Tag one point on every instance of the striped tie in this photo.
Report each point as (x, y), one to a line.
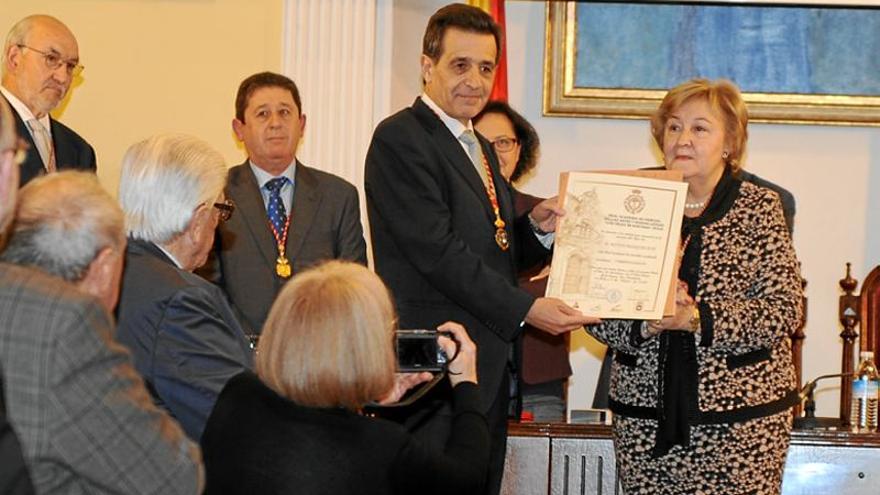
(44, 144)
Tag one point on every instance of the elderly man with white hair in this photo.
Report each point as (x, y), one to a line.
(83, 415)
(183, 333)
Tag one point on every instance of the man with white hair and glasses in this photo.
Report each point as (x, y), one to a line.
(183, 334)
(40, 61)
(82, 413)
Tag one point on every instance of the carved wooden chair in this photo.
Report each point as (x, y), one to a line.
(862, 310)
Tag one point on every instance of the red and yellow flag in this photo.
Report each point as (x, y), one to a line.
(495, 8)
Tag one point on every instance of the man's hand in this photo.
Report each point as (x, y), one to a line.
(555, 317)
(545, 213)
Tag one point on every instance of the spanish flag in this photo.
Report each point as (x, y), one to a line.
(495, 8)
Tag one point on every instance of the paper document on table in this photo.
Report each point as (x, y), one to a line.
(617, 247)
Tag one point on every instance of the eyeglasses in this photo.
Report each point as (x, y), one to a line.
(226, 208)
(504, 144)
(54, 60)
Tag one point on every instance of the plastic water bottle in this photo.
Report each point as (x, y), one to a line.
(865, 392)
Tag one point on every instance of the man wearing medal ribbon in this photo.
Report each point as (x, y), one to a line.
(445, 237)
(288, 216)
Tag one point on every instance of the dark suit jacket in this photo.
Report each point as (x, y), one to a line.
(183, 335)
(434, 239)
(71, 150)
(326, 224)
(258, 442)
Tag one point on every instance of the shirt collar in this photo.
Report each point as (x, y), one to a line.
(451, 123)
(263, 177)
(170, 256)
(23, 111)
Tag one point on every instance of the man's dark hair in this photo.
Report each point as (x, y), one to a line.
(263, 80)
(525, 134)
(460, 16)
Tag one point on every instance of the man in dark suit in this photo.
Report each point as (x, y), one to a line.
(40, 60)
(83, 415)
(182, 332)
(445, 237)
(289, 216)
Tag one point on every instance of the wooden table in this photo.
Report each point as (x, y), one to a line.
(563, 459)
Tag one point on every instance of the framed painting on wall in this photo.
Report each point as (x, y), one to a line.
(804, 64)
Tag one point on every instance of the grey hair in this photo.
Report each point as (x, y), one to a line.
(16, 36)
(164, 180)
(62, 223)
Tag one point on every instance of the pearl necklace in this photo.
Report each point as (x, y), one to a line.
(695, 206)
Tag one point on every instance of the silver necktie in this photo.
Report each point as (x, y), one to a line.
(476, 153)
(44, 144)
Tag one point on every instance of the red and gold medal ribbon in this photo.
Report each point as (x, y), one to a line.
(282, 265)
(500, 234)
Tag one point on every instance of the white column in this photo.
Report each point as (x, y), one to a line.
(338, 53)
(329, 52)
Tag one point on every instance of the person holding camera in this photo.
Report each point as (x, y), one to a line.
(297, 426)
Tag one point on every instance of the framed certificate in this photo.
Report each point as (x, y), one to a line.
(617, 246)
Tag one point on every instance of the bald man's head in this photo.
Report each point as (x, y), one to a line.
(40, 59)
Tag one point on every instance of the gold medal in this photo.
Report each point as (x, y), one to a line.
(282, 267)
(501, 234)
(501, 239)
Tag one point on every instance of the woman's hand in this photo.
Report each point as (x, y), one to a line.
(684, 311)
(402, 383)
(464, 367)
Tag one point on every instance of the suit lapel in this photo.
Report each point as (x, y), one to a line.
(65, 154)
(306, 198)
(244, 190)
(33, 164)
(452, 152)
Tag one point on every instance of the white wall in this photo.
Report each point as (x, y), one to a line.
(830, 170)
(159, 66)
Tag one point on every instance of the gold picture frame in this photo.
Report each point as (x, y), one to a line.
(563, 98)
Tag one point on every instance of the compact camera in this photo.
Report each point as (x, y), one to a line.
(418, 350)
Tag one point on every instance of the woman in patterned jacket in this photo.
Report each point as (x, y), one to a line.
(701, 399)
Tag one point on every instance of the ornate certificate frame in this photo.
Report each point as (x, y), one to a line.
(562, 97)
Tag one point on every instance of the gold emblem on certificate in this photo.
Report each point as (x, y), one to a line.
(282, 267)
(635, 202)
